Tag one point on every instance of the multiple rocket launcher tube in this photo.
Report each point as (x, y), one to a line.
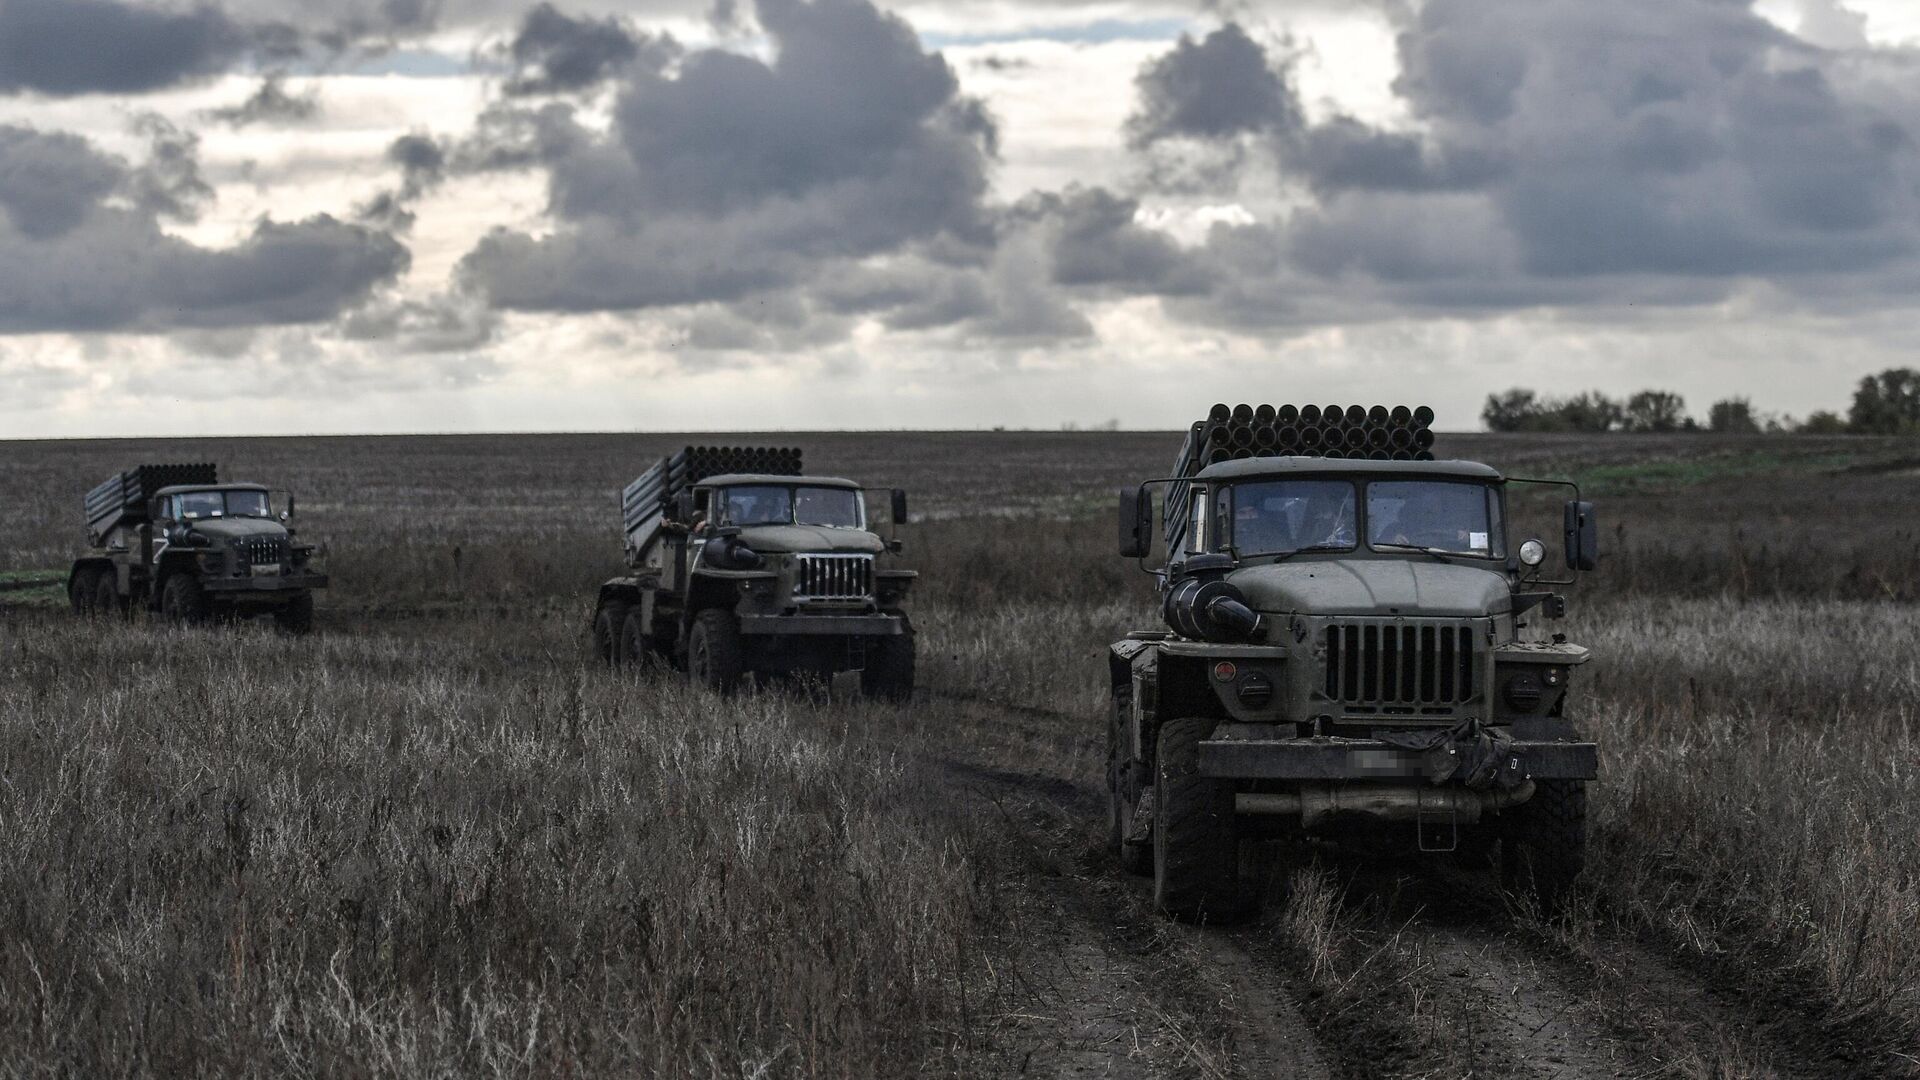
(1379, 433)
(1230, 432)
(645, 502)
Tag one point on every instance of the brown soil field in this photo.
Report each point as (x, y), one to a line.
(435, 838)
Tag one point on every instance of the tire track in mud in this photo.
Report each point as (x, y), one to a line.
(1456, 980)
(1110, 988)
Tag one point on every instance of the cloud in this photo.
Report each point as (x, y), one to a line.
(1557, 153)
(64, 47)
(270, 104)
(553, 53)
(74, 256)
(733, 174)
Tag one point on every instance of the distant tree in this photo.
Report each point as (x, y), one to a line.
(1732, 416)
(1656, 410)
(1511, 410)
(1824, 423)
(1592, 411)
(1887, 404)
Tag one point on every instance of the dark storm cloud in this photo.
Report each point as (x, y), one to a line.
(1563, 152)
(65, 47)
(1221, 86)
(75, 258)
(553, 53)
(731, 174)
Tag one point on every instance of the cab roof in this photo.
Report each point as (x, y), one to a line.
(725, 479)
(188, 489)
(1245, 468)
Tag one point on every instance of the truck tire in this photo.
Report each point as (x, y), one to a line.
(83, 592)
(297, 617)
(633, 645)
(1544, 842)
(607, 622)
(1123, 789)
(182, 600)
(888, 675)
(1196, 849)
(715, 657)
(106, 595)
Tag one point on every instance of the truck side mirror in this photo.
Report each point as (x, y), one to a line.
(899, 507)
(1136, 522)
(683, 508)
(1583, 536)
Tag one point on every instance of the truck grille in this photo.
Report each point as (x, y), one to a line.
(264, 550)
(834, 577)
(1400, 669)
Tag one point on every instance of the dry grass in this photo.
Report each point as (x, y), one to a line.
(462, 855)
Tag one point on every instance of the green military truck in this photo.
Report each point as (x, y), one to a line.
(739, 564)
(174, 540)
(1355, 648)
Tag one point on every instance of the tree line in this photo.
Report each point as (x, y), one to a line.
(1883, 404)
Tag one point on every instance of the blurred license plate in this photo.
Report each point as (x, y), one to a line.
(266, 569)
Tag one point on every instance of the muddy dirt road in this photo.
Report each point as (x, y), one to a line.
(1413, 967)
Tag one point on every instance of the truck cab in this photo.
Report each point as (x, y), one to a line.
(1353, 648)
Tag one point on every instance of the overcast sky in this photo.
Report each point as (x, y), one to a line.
(264, 216)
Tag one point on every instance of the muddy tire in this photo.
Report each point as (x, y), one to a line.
(633, 643)
(1196, 849)
(1123, 790)
(715, 656)
(183, 602)
(607, 624)
(297, 617)
(106, 596)
(888, 675)
(83, 592)
(1544, 842)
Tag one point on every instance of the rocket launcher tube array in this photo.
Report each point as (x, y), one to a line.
(1236, 432)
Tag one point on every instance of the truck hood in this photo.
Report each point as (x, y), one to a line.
(228, 529)
(1375, 587)
(779, 539)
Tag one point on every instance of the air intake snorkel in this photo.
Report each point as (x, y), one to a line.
(1204, 606)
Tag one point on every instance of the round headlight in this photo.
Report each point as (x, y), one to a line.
(1533, 553)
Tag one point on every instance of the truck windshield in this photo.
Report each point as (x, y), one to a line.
(769, 504)
(1273, 516)
(1436, 515)
(199, 505)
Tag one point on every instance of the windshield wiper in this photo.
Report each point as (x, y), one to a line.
(1442, 554)
(1282, 556)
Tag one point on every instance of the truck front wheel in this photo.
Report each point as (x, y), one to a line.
(297, 617)
(633, 645)
(182, 601)
(715, 656)
(1196, 849)
(84, 592)
(1544, 842)
(607, 624)
(106, 595)
(889, 671)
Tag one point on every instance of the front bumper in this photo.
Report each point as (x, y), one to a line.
(276, 584)
(825, 625)
(1330, 758)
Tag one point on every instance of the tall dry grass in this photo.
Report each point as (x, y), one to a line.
(463, 854)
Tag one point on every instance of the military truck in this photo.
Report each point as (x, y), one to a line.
(1355, 648)
(740, 564)
(175, 540)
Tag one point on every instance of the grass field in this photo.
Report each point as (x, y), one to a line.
(435, 839)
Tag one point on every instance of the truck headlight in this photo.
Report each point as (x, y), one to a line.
(1524, 692)
(1533, 553)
